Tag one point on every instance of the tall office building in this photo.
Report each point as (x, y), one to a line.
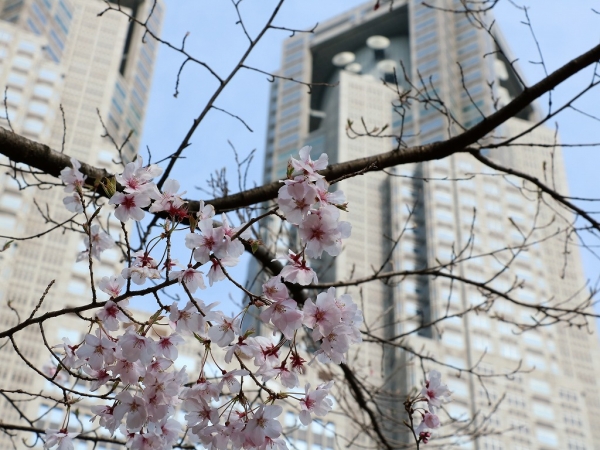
(467, 224)
(53, 53)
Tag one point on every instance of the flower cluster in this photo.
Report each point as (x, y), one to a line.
(74, 180)
(433, 393)
(135, 361)
(306, 202)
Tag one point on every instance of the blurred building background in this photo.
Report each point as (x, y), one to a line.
(60, 53)
(482, 227)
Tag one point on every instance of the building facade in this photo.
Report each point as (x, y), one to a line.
(59, 54)
(453, 215)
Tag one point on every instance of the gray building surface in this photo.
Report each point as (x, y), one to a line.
(57, 53)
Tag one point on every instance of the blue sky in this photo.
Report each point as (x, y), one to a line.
(563, 29)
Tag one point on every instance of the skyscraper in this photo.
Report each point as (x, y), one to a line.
(453, 215)
(57, 53)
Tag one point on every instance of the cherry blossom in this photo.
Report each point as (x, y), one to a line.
(62, 439)
(335, 198)
(136, 347)
(430, 421)
(224, 329)
(70, 360)
(263, 424)
(138, 364)
(100, 377)
(72, 176)
(129, 205)
(285, 315)
(74, 202)
(275, 290)
(129, 372)
(216, 273)
(334, 344)
(322, 232)
(287, 377)
(107, 418)
(74, 180)
(309, 167)
(97, 350)
(434, 391)
(167, 346)
(134, 407)
(205, 211)
(112, 285)
(295, 199)
(323, 314)
(315, 402)
(192, 278)
(229, 379)
(169, 199)
(298, 272)
(111, 314)
(100, 241)
(188, 319)
(143, 267)
(232, 231)
(136, 178)
(211, 240)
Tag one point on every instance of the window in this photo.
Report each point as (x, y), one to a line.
(409, 286)
(61, 24)
(547, 437)
(457, 411)
(291, 97)
(51, 54)
(426, 36)
(13, 97)
(38, 107)
(76, 287)
(539, 386)
(480, 321)
(16, 79)
(427, 50)
(289, 125)
(510, 351)
(40, 15)
(66, 10)
(43, 91)
(453, 340)
(293, 70)
(58, 41)
(458, 387)
(468, 49)
(47, 75)
(10, 201)
(481, 343)
(33, 125)
(33, 27)
(466, 34)
(290, 110)
(543, 410)
(425, 24)
(291, 139)
(443, 197)
(5, 37)
(22, 62)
